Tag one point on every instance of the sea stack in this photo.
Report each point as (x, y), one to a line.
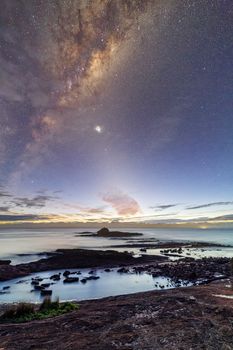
(103, 232)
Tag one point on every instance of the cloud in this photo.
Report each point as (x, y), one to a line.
(5, 194)
(26, 217)
(163, 207)
(122, 203)
(223, 218)
(95, 210)
(207, 205)
(4, 209)
(39, 201)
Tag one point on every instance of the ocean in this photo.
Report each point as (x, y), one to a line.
(24, 245)
(15, 244)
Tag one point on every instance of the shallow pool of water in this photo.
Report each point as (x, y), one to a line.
(109, 284)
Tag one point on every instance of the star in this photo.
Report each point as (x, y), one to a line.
(98, 129)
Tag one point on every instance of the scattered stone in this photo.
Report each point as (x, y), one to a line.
(37, 279)
(46, 292)
(56, 277)
(45, 285)
(71, 279)
(66, 273)
(37, 287)
(6, 287)
(35, 283)
(90, 278)
(123, 270)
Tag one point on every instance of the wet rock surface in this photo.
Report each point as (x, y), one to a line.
(191, 318)
(74, 258)
(206, 269)
(5, 262)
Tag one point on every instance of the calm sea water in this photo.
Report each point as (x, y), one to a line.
(109, 284)
(33, 241)
(15, 243)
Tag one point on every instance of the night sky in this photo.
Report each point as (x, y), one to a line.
(116, 110)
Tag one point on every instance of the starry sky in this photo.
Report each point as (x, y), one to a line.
(116, 111)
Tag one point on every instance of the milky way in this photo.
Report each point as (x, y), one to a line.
(112, 109)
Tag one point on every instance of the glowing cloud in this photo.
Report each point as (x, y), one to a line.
(122, 203)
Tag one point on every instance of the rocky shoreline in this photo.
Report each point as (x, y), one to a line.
(179, 319)
(197, 317)
(74, 258)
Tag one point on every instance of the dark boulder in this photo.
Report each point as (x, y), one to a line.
(143, 250)
(71, 279)
(122, 270)
(56, 277)
(66, 273)
(45, 285)
(34, 283)
(46, 292)
(90, 278)
(5, 262)
(6, 287)
(37, 287)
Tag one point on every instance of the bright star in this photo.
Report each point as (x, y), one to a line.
(98, 129)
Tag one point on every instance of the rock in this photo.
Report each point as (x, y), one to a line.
(71, 279)
(55, 277)
(83, 280)
(46, 292)
(37, 279)
(66, 273)
(34, 283)
(107, 270)
(5, 262)
(103, 232)
(6, 287)
(156, 273)
(93, 278)
(37, 287)
(122, 270)
(73, 259)
(21, 281)
(143, 250)
(45, 285)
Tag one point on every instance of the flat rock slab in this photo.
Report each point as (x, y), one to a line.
(191, 318)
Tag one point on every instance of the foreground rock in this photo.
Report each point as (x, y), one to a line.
(74, 258)
(182, 319)
(5, 262)
(188, 269)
